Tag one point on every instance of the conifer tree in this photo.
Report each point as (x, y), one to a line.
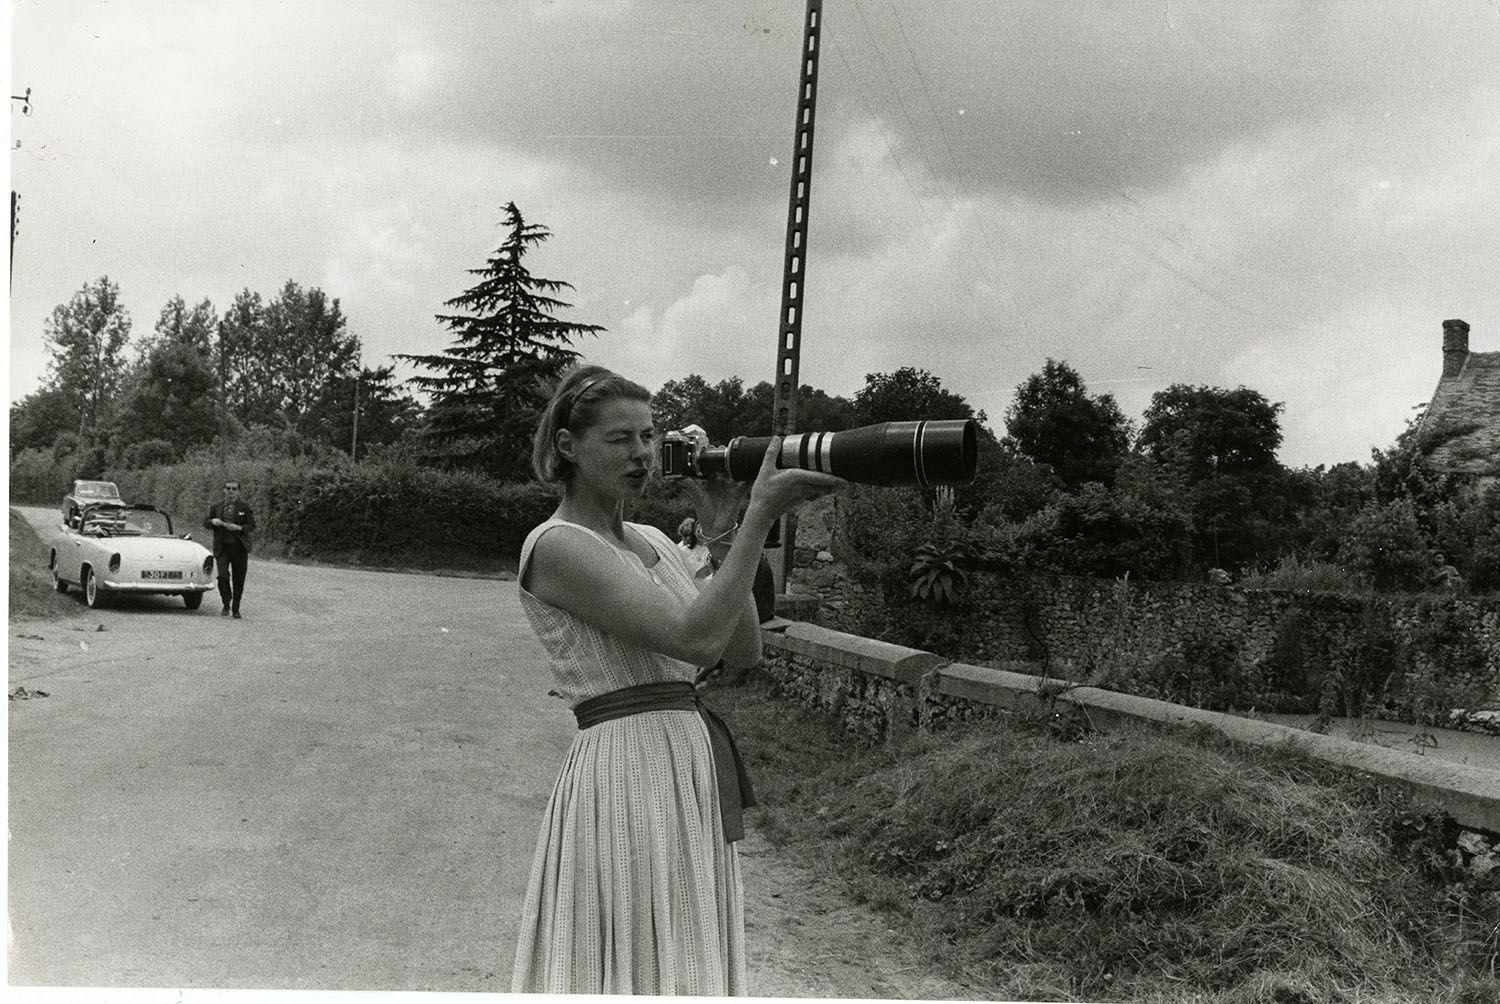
(488, 387)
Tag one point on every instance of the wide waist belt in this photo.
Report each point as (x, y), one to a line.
(735, 792)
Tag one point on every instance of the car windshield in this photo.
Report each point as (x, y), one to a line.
(96, 490)
(117, 522)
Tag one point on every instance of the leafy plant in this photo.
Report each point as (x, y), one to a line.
(939, 573)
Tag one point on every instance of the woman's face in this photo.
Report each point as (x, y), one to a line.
(614, 455)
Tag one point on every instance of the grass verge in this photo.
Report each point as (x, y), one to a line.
(1139, 865)
(31, 590)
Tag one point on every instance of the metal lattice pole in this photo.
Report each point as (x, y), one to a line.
(794, 273)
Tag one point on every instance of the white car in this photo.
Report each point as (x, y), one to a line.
(115, 549)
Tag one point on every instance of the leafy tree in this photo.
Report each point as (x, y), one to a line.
(907, 394)
(387, 411)
(723, 410)
(1223, 444)
(243, 365)
(179, 325)
(172, 394)
(279, 357)
(728, 409)
(38, 418)
(489, 386)
(1055, 421)
(86, 337)
(1208, 430)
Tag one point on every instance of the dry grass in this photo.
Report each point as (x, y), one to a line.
(31, 590)
(1133, 866)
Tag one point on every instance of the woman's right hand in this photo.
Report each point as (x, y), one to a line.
(777, 492)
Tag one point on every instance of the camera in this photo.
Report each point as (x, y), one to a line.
(925, 452)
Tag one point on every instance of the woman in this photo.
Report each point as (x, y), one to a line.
(635, 886)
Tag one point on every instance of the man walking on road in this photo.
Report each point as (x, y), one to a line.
(231, 521)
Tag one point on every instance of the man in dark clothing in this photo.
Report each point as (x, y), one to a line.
(231, 521)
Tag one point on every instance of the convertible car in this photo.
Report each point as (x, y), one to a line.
(114, 549)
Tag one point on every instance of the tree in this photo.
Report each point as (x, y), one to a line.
(179, 325)
(38, 418)
(278, 358)
(905, 395)
(1206, 430)
(243, 367)
(387, 412)
(1223, 444)
(172, 393)
(86, 338)
(1054, 421)
(173, 396)
(488, 388)
(727, 409)
(722, 410)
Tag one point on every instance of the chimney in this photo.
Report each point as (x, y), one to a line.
(1455, 347)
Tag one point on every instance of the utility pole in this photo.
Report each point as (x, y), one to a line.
(793, 276)
(354, 437)
(223, 405)
(15, 198)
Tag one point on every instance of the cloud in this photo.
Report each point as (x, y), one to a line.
(717, 329)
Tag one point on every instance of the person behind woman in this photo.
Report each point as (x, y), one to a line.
(635, 884)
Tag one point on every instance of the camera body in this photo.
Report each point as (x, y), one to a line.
(677, 456)
(926, 452)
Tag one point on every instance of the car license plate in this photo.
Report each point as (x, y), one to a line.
(150, 573)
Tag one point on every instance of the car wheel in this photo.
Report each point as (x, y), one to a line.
(57, 580)
(94, 594)
(192, 600)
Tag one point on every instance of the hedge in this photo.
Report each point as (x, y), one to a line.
(372, 514)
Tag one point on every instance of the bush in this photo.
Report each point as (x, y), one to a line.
(1385, 546)
(41, 477)
(1306, 576)
(382, 514)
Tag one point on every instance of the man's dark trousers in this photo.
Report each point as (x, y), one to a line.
(232, 561)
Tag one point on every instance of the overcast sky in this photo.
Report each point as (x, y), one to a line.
(1291, 197)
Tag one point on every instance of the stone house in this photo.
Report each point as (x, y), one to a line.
(1460, 432)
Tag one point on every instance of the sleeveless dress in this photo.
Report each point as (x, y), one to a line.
(633, 889)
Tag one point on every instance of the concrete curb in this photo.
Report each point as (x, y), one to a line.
(1471, 795)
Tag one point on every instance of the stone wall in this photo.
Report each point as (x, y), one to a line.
(877, 689)
(1413, 658)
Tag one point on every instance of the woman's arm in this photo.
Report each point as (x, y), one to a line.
(744, 648)
(569, 571)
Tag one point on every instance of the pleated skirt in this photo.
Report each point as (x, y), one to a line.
(633, 889)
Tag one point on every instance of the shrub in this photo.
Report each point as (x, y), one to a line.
(1386, 547)
(41, 476)
(1307, 576)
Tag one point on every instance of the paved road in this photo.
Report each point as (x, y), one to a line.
(340, 792)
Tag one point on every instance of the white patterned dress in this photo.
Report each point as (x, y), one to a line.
(633, 888)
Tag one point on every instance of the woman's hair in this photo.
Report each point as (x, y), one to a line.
(575, 405)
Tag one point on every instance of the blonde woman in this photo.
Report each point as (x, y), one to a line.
(635, 884)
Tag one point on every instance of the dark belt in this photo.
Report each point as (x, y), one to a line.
(735, 793)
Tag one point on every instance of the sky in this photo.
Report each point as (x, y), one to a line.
(1289, 197)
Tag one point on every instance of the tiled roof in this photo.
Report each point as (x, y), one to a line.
(1461, 430)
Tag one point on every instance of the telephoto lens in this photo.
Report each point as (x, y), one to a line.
(925, 452)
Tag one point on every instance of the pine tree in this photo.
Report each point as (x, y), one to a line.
(487, 389)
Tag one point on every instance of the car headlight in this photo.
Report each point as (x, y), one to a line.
(208, 565)
(114, 563)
